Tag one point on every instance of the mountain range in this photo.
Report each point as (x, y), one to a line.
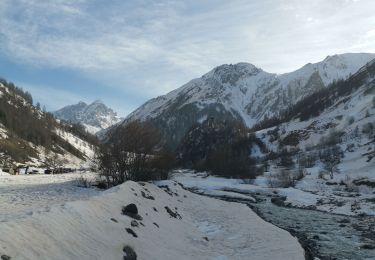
(242, 92)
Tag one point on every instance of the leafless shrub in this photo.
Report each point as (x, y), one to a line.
(133, 153)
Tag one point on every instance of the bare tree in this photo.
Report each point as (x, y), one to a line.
(53, 162)
(5, 160)
(331, 157)
(132, 153)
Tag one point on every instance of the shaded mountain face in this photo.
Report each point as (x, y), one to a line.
(241, 92)
(95, 116)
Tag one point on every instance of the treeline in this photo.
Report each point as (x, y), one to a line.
(14, 90)
(314, 104)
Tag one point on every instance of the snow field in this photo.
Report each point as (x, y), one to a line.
(95, 229)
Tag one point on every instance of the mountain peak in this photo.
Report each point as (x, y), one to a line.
(97, 101)
(95, 116)
(82, 103)
(241, 67)
(231, 73)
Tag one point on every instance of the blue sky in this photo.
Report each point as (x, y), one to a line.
(125, 52)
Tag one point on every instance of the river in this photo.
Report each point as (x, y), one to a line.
(324, 235)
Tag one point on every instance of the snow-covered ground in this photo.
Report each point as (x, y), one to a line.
(25, 195)
(95, 228)
(327, 199)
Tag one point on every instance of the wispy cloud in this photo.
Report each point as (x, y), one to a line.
(147, 47)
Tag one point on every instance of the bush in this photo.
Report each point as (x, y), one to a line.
(133, 153)
(83, 182)
(331, 157)
(334, 137)
(368, 129)
(350, 120)
(307, 160)
(285, 178)
(286, 159)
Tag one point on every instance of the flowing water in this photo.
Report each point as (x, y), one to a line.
(324, 235)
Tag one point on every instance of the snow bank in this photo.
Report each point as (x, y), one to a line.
(95, 229)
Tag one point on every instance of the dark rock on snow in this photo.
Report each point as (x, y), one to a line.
(131, 232)
(129, 253)
(172, 214)
(131, 210)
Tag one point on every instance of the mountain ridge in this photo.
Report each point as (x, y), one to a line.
(242, 92)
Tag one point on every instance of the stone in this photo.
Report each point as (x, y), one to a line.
(129, 253)
(131, 232)
(131, 210)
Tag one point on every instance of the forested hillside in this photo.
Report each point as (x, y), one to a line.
(28, 131)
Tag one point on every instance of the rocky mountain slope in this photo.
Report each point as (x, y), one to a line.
(242, 92)
(95, 116)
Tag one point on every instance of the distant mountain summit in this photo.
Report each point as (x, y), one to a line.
(242, 92)
(95, 116)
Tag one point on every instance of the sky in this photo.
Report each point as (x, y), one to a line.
(125, 52)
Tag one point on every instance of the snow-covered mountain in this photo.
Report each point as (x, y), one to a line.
(330, 135)
(243, 92)
(95, 116)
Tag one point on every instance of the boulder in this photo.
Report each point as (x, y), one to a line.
(131, 210)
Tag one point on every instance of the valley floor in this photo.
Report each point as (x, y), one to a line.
(177, 224)
(24, 195)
